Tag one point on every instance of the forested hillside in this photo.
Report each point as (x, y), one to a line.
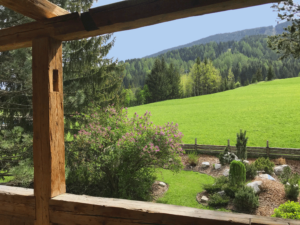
(244, 58)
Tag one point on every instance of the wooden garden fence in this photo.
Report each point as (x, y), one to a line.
(289, 153)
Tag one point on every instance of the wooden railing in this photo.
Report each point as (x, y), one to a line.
(289, 153)
(17, 207)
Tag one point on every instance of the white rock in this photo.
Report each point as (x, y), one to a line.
(221, 193)
(226, 173)
(204, 199)
(205, 164)
(162, 184)
(218, 166)
(246, 161)
(279, 169)
(287, 183)
(267, 176)
(255, 186)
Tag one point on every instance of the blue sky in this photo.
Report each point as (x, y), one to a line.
(148, 40)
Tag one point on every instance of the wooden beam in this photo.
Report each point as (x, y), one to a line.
(48, 124)
(37, 9)
(120, 16)
(82, 210)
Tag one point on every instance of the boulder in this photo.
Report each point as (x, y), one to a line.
(205, 164)
(255, 186)
(279, 169)
(246, 161)
(226, 172)
(267, 176)
(162, 184)
(221, 193)
(204, 199)
(218, 166)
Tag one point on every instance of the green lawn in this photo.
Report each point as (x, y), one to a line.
(267, 110)
(183, 187)
(6, 179)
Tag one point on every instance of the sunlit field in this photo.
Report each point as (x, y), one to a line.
(267, 110)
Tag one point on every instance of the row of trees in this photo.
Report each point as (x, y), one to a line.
(244, 57)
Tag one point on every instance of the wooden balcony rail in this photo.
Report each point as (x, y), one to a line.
(17, 207)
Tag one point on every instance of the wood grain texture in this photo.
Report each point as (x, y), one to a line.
(120, 16)
(37, 9)
(48, 126)
(79, 210)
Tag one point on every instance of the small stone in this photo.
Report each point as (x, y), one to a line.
(204, 199)
(221, 193)
(170, 160)
(279, 169)
(162, 184)
(255, 186)
(287, 183)
(226, 173)
(205, 164)
(218, 166)
(246, 161)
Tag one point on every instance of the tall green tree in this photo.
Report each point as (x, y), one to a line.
(258, 75)
(88, 75)
(270, 73)
(175, 89)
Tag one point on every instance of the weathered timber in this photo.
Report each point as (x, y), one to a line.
(17, 205)
(48, 125)
(37, 9)
(120, 16)
(74, 209)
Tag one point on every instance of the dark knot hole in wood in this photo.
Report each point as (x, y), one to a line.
(55, 81)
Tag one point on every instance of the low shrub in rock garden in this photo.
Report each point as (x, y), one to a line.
(217, 200)
(226, 157)
(230, 190)
(264, 164)
(193, 158)
(286, 175)
(292, 187)
(288, 210)
(245, 199)
(251, 171)
(217, 186)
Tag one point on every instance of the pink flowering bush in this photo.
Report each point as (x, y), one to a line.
(116, 156)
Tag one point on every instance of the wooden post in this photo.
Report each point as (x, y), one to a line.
(228, 144)
(268, 149)
(48, 125)
(196, 145)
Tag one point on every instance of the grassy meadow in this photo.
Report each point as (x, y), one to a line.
(267, 110)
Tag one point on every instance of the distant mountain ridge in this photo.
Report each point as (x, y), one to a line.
(234, 36)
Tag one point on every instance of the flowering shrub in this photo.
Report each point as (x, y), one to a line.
(116, 156)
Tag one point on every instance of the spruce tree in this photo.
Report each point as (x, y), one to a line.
(259, 76)
(88, 76)
(270, 73)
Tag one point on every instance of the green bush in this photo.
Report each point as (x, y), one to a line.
(237, 84)
(23, 174)
(230, 190)
(237, 173)
(193, 158)
(292, 187)
(251, 170)
(216, 200)
(241, 145)
(264, 164)
(116, 156)
(226, 157)
(286, 175)
(288, 210)
(217, 186)
(245, 199)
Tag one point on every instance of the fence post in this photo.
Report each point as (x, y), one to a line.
(228, 144)
(268, 149)
(196, 145)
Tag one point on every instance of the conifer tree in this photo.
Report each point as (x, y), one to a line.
(270, 73)
(88, 76)
(259, 76)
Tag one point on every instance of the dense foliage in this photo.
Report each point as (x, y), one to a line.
(291, 188)
(288, 210)
(251, 170)
(264, 164)
(217, 200)
(237, 173)
(245, 199)
(216, 186)
(15, 146)
(241, 145)
(115, 156)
